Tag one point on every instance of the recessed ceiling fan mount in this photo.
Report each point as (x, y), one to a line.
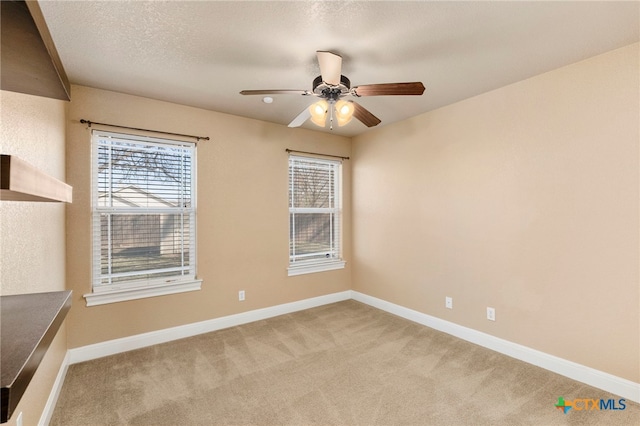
(331, 87)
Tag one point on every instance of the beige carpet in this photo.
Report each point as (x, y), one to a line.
(342, 364)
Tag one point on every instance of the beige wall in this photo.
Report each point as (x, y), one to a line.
(242, 216)
(32, 234)
(524, 199)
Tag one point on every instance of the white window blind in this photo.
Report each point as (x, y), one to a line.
(143, 211)
(314, 210)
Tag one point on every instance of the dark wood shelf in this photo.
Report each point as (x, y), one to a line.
(29, 324)
(20, 181)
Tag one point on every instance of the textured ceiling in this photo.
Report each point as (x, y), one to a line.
(203, 53)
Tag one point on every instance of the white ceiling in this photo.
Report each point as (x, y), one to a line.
(202, 53)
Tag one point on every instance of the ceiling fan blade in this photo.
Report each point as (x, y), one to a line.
(363, 114)
(301, 118)
(415, 88)
(330, 67)
(276, 92)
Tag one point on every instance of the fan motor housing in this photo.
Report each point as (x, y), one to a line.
(331, 92)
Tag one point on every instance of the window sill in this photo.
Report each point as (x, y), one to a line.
(311, 268)
(133, 293)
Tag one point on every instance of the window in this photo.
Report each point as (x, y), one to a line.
(314, 215)
(143, 216)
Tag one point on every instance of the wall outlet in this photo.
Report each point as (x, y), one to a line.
(448, 302)
(19, 419)
(491, 314)
(241, 295)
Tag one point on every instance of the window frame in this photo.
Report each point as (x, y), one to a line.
(146, 287)
(335, 261)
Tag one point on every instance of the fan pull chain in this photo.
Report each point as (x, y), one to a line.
(331, 108)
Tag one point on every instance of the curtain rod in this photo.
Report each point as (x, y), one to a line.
(317, 153)
(197, 138)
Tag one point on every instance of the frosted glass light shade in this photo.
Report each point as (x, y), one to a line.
(318, 112)
(344, 112)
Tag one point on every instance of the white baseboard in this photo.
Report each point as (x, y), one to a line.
(111, 347)
(45, 418)
(599, 379)
(605, 381)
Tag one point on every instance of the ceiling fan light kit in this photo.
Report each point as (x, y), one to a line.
(331, 86)
(343, 111)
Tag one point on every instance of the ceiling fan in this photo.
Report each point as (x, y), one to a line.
(331, 87)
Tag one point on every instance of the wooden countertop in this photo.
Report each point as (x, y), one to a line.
(29, 322)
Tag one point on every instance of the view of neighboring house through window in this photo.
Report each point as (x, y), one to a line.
(143, 212)
(314, 215)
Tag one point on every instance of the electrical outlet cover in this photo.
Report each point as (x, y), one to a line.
(491, 314)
